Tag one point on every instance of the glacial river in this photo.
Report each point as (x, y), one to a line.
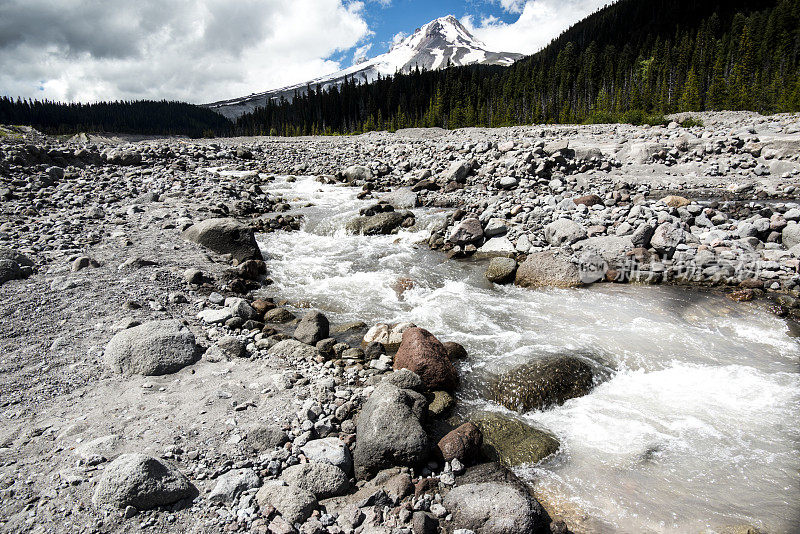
(696, 429)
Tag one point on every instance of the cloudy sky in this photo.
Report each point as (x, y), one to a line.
(205, 50)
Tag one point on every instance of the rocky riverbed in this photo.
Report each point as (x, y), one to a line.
(153, 379)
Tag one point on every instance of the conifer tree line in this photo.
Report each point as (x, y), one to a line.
(132, 117)
(631, 61)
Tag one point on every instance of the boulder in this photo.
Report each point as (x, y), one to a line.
(141, 481)
(9, 270)
(467, 232)
(294, 504)
(153, 348)
(16, 257)
(512, 442)
(612, 249)
(547, 269)
(357, 172)
(564, 231)
(496, 247)
(501, 270)
(320, 478)
(588, 200)
(312, 328)
(389, 430)
(233, 483)
(639, 153)
(642, 235)
(675, 201)
(425, 355)
(279, 316)
(494, 508)
(441, 403)
(464, 443)
(329, 450)
(791, 235)
(264, 438)
(405, 379)
(225, 236)
(402, 198)
(457, 172)
(543, 383)
(380, 223)
(455, 351)
(666, 238)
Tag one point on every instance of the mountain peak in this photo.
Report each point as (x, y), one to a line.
(437, 44)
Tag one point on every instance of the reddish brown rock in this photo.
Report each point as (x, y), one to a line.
(463, 443)
(588, 200)
(262, 306)
(425, 355)
(455, 351)
(745, 295)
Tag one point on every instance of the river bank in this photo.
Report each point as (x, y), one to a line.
(103, 228)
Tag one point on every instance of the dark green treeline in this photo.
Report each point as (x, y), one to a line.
(137, 117)
(629, 60)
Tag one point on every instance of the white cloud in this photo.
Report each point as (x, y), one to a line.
(361, 52)
(540, 21)
(193, 50)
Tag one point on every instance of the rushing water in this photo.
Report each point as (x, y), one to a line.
(696, 428)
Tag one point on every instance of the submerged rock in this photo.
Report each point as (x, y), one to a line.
(380, 223)
(512, 442)
(543, 383)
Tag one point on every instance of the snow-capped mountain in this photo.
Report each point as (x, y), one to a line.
(435, 45)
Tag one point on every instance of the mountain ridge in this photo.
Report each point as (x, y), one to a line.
(441, 42)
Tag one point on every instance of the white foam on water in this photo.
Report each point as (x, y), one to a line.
(697, 427)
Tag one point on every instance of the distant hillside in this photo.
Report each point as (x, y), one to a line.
(139, 117)
(630, 59)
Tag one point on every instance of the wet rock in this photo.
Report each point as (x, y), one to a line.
(464, 443)
(279, 316)
(141, 481)
(389, 431)
(455, 351)
(467, 232)
(564, 231)
(543, 383)
(547, 269)
(225, 236)
(312, 328)
(441, 403)
(322, 479)
(153, 348)
(380, 223)
(501, 270)
(512, 442)
(294, 504)
(425, 355)
(493, 508)
(233, 483)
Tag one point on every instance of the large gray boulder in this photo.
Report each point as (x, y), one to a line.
(612, 249)
(9, 270)
(153, 348)
(564, 231)
(225, 236)
(493, 508)
(294, 504)
(141, 481)
(791, 235)
(329, 450)
(543, 383)
(457, 172)
(381, 223)
(501, 270)
(548, 269)
(666, 238)
(357, 172)
(313, 327)
(233, 483)
(389, 430)
(320, 478)
(402, 199)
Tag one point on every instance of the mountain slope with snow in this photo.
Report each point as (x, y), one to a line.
(439, 43)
